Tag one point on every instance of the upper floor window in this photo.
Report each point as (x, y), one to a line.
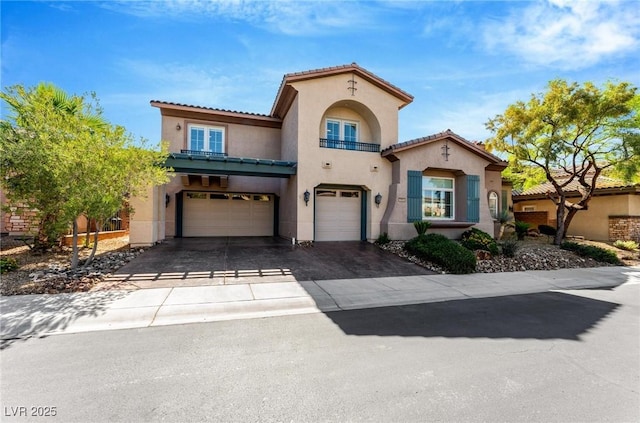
(342, 130)
(437, 198)
(206, 138)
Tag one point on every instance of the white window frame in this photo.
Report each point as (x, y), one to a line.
(494, 212)
(341, 123)
(207, 132)
(452, 190)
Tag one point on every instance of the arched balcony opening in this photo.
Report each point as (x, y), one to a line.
(350, 125)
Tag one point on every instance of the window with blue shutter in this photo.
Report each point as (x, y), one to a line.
(473, 198)
(414, 195)
(505, 201)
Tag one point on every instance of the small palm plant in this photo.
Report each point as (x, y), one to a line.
(505, 220)
(521, 229)
(421, 226)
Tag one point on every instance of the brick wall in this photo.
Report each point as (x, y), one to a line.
(19, 220)
(624, 228)
(534, 218)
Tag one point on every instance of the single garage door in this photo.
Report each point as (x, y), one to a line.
(338, 215)
(227, 214)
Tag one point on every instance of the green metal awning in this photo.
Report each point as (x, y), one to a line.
(222, 165)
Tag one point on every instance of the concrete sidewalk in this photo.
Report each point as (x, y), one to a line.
(37, 315)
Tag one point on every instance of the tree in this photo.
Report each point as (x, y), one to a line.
(573, 134)
(61, 157)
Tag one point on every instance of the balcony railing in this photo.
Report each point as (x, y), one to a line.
(203, 153)
(349, 145)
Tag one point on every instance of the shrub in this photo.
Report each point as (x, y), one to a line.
(547, 230)
(626, 245)
(509, 247)
(440, 250)
(383, 239)
(475, 239)
(596, 253)
(521, 229)
(421, 226)
(8, 264)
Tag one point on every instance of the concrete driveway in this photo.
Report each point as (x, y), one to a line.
(232, 260)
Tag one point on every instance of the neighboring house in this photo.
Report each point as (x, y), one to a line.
(612, 214)
(324, 165)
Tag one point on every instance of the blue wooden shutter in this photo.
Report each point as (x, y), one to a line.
(473, 198)
(505, 202)
(414, 195)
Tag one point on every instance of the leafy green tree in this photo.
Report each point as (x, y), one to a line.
(62, 158)
(573, 134)
(35, 145)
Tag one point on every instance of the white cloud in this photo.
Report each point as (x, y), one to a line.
(289, 17)
(566, 34)
(465, 118)
(194, 85)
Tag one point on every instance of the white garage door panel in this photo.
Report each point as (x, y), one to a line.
(242, 216)
(338, 218)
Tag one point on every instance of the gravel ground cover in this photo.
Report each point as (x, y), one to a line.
(532, 254)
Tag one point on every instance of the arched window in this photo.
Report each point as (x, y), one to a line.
(493, 204)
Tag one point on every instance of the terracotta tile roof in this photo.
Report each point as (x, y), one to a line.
(603, 183)
(159, 103)
(474, 147)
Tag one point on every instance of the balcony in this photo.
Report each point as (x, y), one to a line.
(349, 145)
(203, 153)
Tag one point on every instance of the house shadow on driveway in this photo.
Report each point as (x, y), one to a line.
(547, 315)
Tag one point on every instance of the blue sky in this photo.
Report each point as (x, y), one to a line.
(463, 61)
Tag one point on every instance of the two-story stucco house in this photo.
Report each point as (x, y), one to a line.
(324, 165)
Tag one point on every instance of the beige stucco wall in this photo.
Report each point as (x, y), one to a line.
(146, 224)
(241, 140)
(592, 223)
(291, 198)
(428, 158)
(376, 110)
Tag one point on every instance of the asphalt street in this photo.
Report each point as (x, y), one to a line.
(546, 357)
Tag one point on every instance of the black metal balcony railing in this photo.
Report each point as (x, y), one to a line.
(349, 145)
(203, 153)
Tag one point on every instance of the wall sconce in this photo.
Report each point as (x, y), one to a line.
(178, 127)
(167, 199)
(306, 197)
(378, 200)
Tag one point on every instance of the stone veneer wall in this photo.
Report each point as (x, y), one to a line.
(624, 228)
(19, 220)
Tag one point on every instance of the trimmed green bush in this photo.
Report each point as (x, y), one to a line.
(383, 239)
(475, 239)
(439, 249)
(421, 226)
(591, 251)
(626, 245)
(8, 264)
(509, 247)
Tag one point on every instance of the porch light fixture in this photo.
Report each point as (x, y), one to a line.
(178, 127)
(306, 197)
(167, 199)
(378, 199)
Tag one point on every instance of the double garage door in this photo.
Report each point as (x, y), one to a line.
(227, 214)
(338, 215)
